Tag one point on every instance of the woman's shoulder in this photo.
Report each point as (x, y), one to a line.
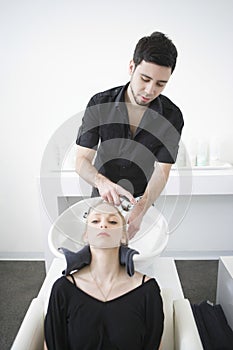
(60, 284)
(149, 282)
(62, 280)
(142, 277)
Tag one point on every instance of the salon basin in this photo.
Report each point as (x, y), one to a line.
(67, 231)
(152, 238)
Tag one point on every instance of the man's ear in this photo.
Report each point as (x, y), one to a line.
(131, 67)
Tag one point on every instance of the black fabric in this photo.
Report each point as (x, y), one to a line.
(73, 279)
(143, 279)
(77, 260)
(215, 333)
(77, 321)
(122, 155)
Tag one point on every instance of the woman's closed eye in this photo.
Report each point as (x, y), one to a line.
(95, 221)
(113, 222)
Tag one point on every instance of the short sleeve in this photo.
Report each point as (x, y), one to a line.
(55, 326)
(88, 134)
(167, 153)
(154, 318)
(171, 135)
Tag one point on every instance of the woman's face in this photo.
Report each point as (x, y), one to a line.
(105, 227)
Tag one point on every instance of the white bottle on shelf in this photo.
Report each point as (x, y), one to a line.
(191, 159)
(202, 153)
(214, 152)
(181, 156)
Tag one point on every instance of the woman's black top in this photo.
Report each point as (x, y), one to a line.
(77, 321)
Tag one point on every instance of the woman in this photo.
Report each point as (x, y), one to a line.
(101, 307)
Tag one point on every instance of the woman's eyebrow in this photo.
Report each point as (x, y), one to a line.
(110, 214)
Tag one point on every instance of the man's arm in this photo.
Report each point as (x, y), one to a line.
(108, 190)
(83, 165)
(154, 187)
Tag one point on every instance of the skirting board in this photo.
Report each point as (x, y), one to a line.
(22, 256)
(177, 255)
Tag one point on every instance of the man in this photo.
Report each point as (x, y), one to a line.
(133, 131)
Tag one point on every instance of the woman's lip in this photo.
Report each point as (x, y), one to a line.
(103, 234)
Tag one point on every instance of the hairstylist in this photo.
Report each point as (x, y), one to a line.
(130, 134)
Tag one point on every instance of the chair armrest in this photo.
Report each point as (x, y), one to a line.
(31, 332)
(168, 330)
(55, 271)
(186, 332)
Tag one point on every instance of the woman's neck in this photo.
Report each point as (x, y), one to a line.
(105, 263)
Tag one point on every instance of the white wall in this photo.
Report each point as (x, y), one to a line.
(55, 54)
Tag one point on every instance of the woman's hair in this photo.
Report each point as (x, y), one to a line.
(124, 224)
(156, 48)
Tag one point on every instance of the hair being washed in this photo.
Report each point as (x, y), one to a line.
(156, 48)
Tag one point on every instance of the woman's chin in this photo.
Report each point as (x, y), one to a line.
(104, 245)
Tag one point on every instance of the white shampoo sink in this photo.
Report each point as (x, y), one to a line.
(68, 229)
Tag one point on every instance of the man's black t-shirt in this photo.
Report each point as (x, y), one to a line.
(122, 157)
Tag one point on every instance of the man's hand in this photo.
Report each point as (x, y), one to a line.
(155, 186)
(112, 192)
(134, 219)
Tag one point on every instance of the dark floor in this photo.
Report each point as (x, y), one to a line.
(21, 281)
(198, 279)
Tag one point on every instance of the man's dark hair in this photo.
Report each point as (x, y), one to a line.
(156, 48)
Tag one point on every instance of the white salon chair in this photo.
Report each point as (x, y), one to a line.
(180, 331)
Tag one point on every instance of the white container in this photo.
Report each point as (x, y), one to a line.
(214, 152)
(181, 156)
(202, 153)
(191, 160)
